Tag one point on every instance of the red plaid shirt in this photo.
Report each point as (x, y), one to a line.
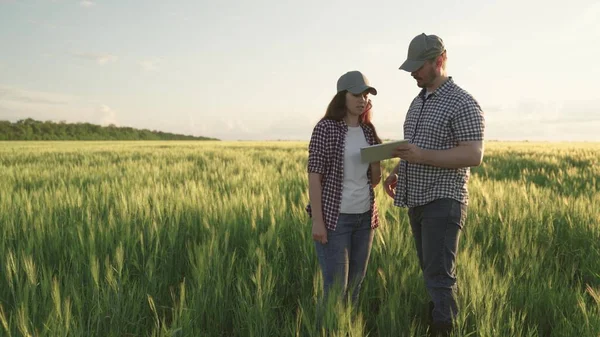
(326, 157)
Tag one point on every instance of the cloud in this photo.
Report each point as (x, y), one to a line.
(107, 115)
(16, 95)
(223, 128)
(576, 112)
(545, 120)
(149, 65)
(87, 3)
(18, 103)
(534, 131)
(289, 128)
(101, 59)
(550, 112)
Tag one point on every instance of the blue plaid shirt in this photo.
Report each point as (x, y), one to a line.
(440, 121)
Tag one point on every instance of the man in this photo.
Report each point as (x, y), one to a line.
(445, 126)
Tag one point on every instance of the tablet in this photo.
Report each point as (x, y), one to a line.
(379, 152)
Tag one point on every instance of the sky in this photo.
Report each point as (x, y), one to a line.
(266, 70)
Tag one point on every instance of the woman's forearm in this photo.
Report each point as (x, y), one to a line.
(375, 173)
(314, 193)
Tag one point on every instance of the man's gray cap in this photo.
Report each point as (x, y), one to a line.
(422, 48)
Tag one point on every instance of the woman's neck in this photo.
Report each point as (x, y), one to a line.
(351, 120)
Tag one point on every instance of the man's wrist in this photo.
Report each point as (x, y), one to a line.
(424, 157)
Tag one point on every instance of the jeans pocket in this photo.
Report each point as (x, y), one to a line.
(460, 211)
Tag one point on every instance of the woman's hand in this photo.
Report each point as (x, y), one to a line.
(319, 232)
(390, 185)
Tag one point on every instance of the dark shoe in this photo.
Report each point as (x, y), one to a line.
(440, 329)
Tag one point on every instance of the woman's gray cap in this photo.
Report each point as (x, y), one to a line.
(422, 48)
(355, 82)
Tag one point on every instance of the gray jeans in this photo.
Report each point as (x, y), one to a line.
(436, 228)
(344, 258)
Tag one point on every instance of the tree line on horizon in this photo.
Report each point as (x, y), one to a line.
(30, 129)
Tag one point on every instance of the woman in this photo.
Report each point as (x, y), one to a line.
(342, 200)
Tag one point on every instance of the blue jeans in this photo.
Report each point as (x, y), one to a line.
(436, 229)
(345, 256)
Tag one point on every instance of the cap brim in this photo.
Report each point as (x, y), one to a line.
(411, 66)
(362, 88)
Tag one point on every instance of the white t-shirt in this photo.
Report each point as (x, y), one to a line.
(355, 186)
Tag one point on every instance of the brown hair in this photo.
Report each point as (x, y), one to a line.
(336, 110)
(444, 60)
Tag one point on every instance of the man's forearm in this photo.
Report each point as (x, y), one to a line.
(456, 157)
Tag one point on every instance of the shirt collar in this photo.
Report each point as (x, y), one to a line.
(441, 91)
(342, 124)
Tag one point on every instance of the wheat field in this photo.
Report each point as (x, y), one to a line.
(211, 239)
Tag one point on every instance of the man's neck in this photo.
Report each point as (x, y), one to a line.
(437, 83)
